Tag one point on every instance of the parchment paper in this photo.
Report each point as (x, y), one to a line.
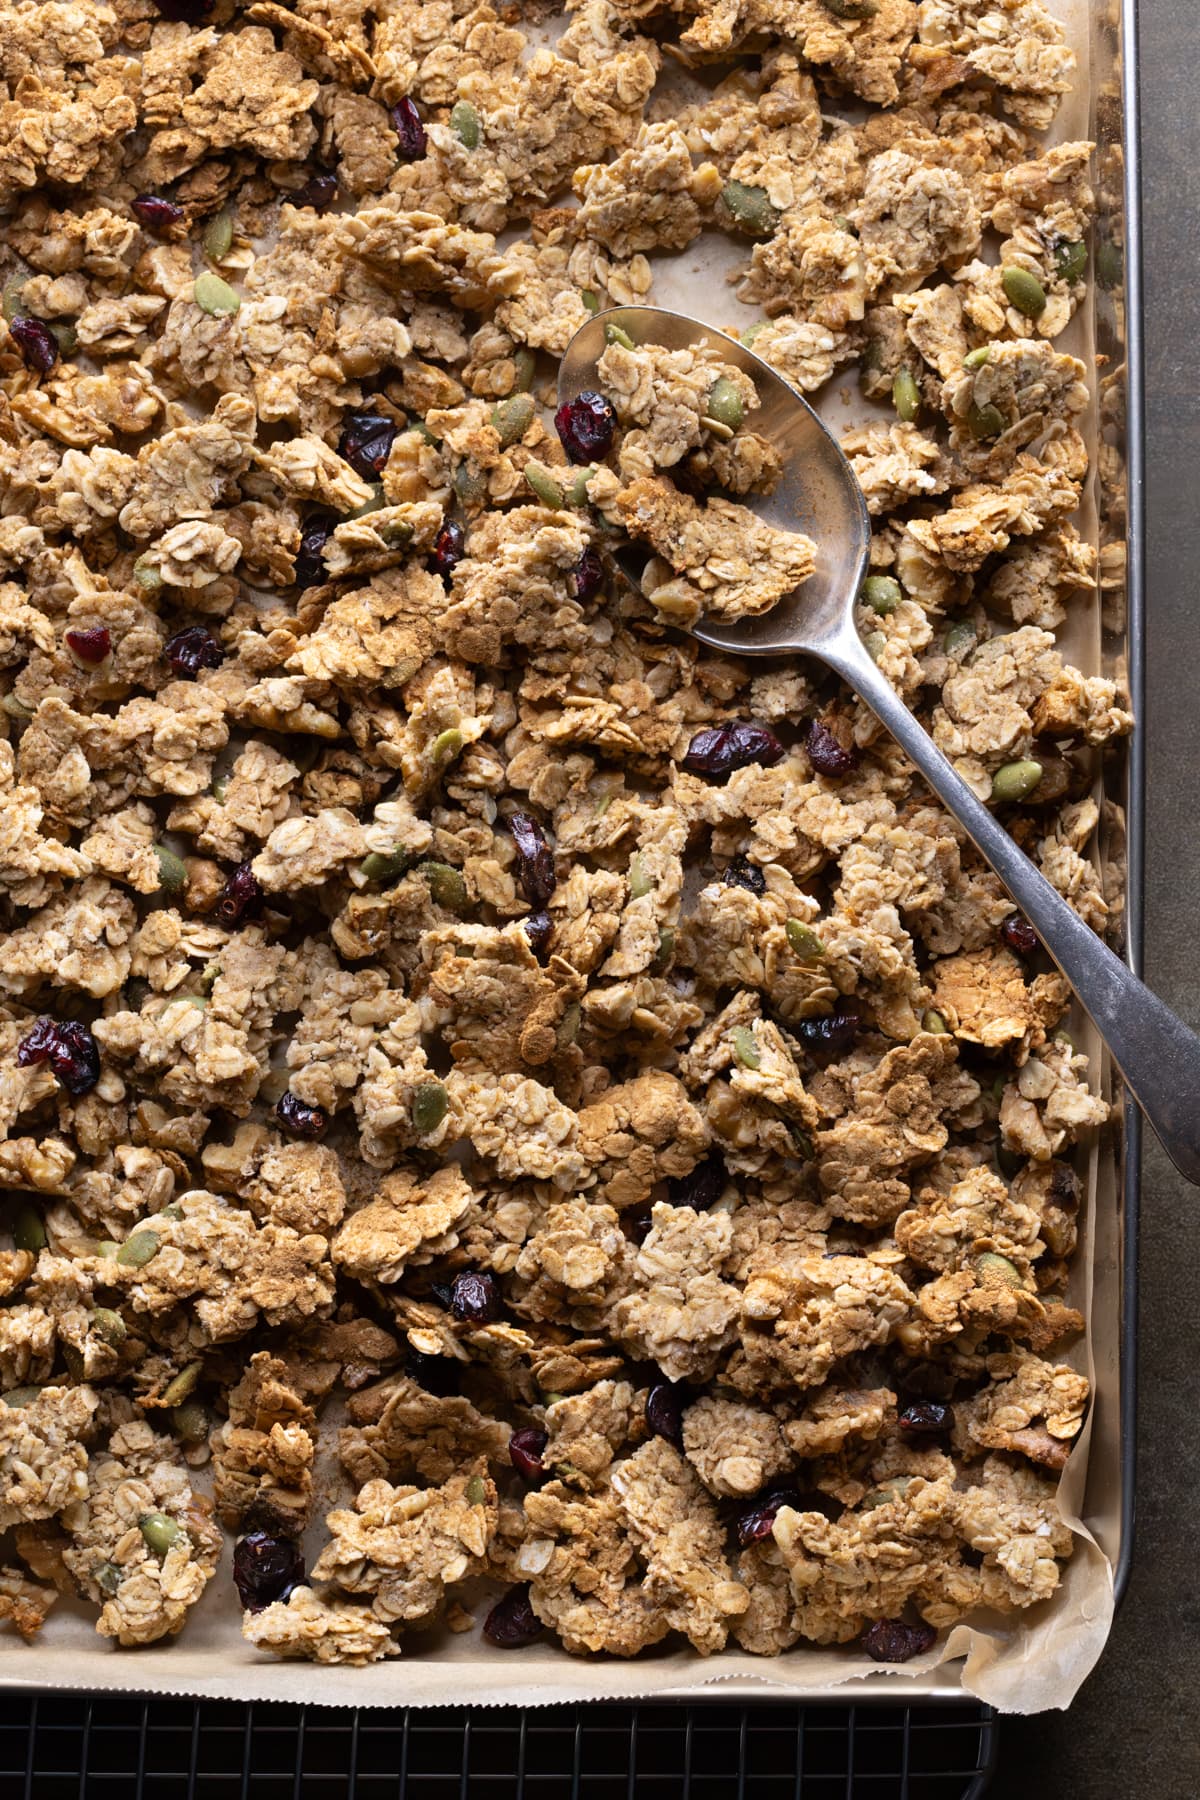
(1025, 1663)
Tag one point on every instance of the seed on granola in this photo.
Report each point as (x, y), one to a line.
(366, 442)
(524, 369)
(214, 296)
(828, 1033)
(512, 1621)
(977, 359)
(703, 1186)
(218, 235)
(241, 897)
(29, 1233)
(1016, 781)
(89, 648)
(36, 342)
(20, 1396)
(1070, 262)
(588, 575)
(851, 9)
(585, 426)
(757, 1521)
(464, 122)
(960, 638)
(475, 1298)
(107, 1577)
(430, 1104)
(183, 1385)
(725, 403)
(525, 1452)
(148, 575)
(172, 871)
(139, 1249)
(543, 484)
(319, 191)
(265, 1569)
(984, 422)
(803, 940)
(69, 1048)
(310, 570)
(926, 1419)
(449, 548)
(745, 874)
(745, 1047)
(539, 928)
(512, 418)
(640, 883)
(906, 395)
(720, 749)
(892, 1641)
(302, 1121)
(827, 756)
(535, 859)
(384, 865)
(1019, 935)
(446, 885)
(160, 1531)
(749, 208)
(882, 593)
(934, 1023)
(156, 213)
(409, 128)
(191, 1421)
(1023, 291)
(664, 1411)
(991, 1266)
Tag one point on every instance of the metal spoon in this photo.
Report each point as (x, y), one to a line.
(1155, 1052)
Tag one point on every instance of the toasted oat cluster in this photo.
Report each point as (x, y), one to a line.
(454, 1025)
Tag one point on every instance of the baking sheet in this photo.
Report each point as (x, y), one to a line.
(1027, 1663)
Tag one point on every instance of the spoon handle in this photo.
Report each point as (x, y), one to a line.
(1156, 1053)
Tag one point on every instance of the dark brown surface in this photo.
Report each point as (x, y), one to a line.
(1135, 1729)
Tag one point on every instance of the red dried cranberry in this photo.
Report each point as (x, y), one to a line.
(589, 574)
(758, 1520)
(535, 860)
(664, 1411)
(302, 1121)
(719, 749)
(69, 1048)
(266, 1569)
(91, 647)
(585, 427)
(241, 897)
(891, 1640)
(830, 1034)
(743, 873)
(366, 442)
(319, 192)
(703, 1186)
(406, 123)
(512, 1621)
(525, 1452)
(926, 1419)
(1019, 935)
(825, 753)
(475, 1298)
(449, 548)
(157, 214)
(539, 928)
(192, 649)
(36, 342)
(310, 564)
(436, 1374)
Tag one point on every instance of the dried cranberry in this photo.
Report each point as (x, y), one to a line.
(436, 1374)
(585, 426)
(703, 1186)
(366, 442)
(406, 123)
(512, 1621)
(310, 564)
(638, 1221)
(91, 647)
(743, 873)
(926, 1419)
(265, 1569)
(664, 1411)
(319, 192)
(589, 574)
(241, 897)
(475, 1298)
(825, 753)
(757, 1521)
(36, 342)
(449, 548)
(525, 1452)
(1019, 935)
(69, 1048)
(539, 928)
(891, 1640)
(302, 1121)
(830, 1034)
(192, 649)
(157, 214)
(535, 859)
(719, 749)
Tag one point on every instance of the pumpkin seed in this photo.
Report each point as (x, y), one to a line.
(159, 1531)
(21, 1396)
(1016, 780)
(993, 1264)
(525, 364)
(109, 1326)
(430, 1104)
(882, 593)
(476, 1491)
(543, 484)
(1023, 291)
(933, 1022)
(446, 884)
(13, 287)
(138, 1250)
(745, 1049)
(384, 865)
(181, 1388)
(191, 1422)
(591, 301)
(906, 395)
(172, 874)
(147, 575)
(984, 422)
(218, 235)
(212, 295)
(803, 940)
(640, 883)
(470, 485)
(1070, 262)
(107, 1578)
(464, 122)
(975, 359)
(875, 643)
(725, 403)
(512, 418)
(958, 638)
(446, 745)
(28, 1231)
(575, 493)
(614, 334)
(750, 208)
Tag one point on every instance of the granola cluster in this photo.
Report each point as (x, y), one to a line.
(454, 1025)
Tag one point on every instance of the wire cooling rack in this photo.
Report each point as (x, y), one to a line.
(109, 1747)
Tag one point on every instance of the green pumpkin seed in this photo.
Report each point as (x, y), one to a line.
(933, 1022)
(1023, 291)
(191, 1422)
(984, 422)
(591, 301)
(218, 235)
(640, 883)
(464, 121)
(147, 575)
(13, 288)
(893, 1489)
(875, 643)
(172, 1210)
(65, 336)
(375, 504)
(109, 1326)
(725, 403)
(446, 884)
(906, 396)
(976, 359)
(993, 1264)
(138, 1250)
(159, 1531)
(383, 865)
(476, 1491)
(470, 485)
(16, 709)
(108, 1578)
(959, 638)
(28, 1231)
(1065, 1038)
(1016, 780)
(172, 875)
(752, 331)
(882, 593)
(543, 484)
(21, 1396)
(613, 334)
(108, 1249)
(665, 951)
(430, 1104)
(212, 295)
(801, 1142)
(525, 364)
(1070, 262)
(183, 1385)
(446, 746)
(73, 1357)
(750, 208)
(803, 940)
(745, 1049)
(512, 418)
(851, 9)
(575, 493)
